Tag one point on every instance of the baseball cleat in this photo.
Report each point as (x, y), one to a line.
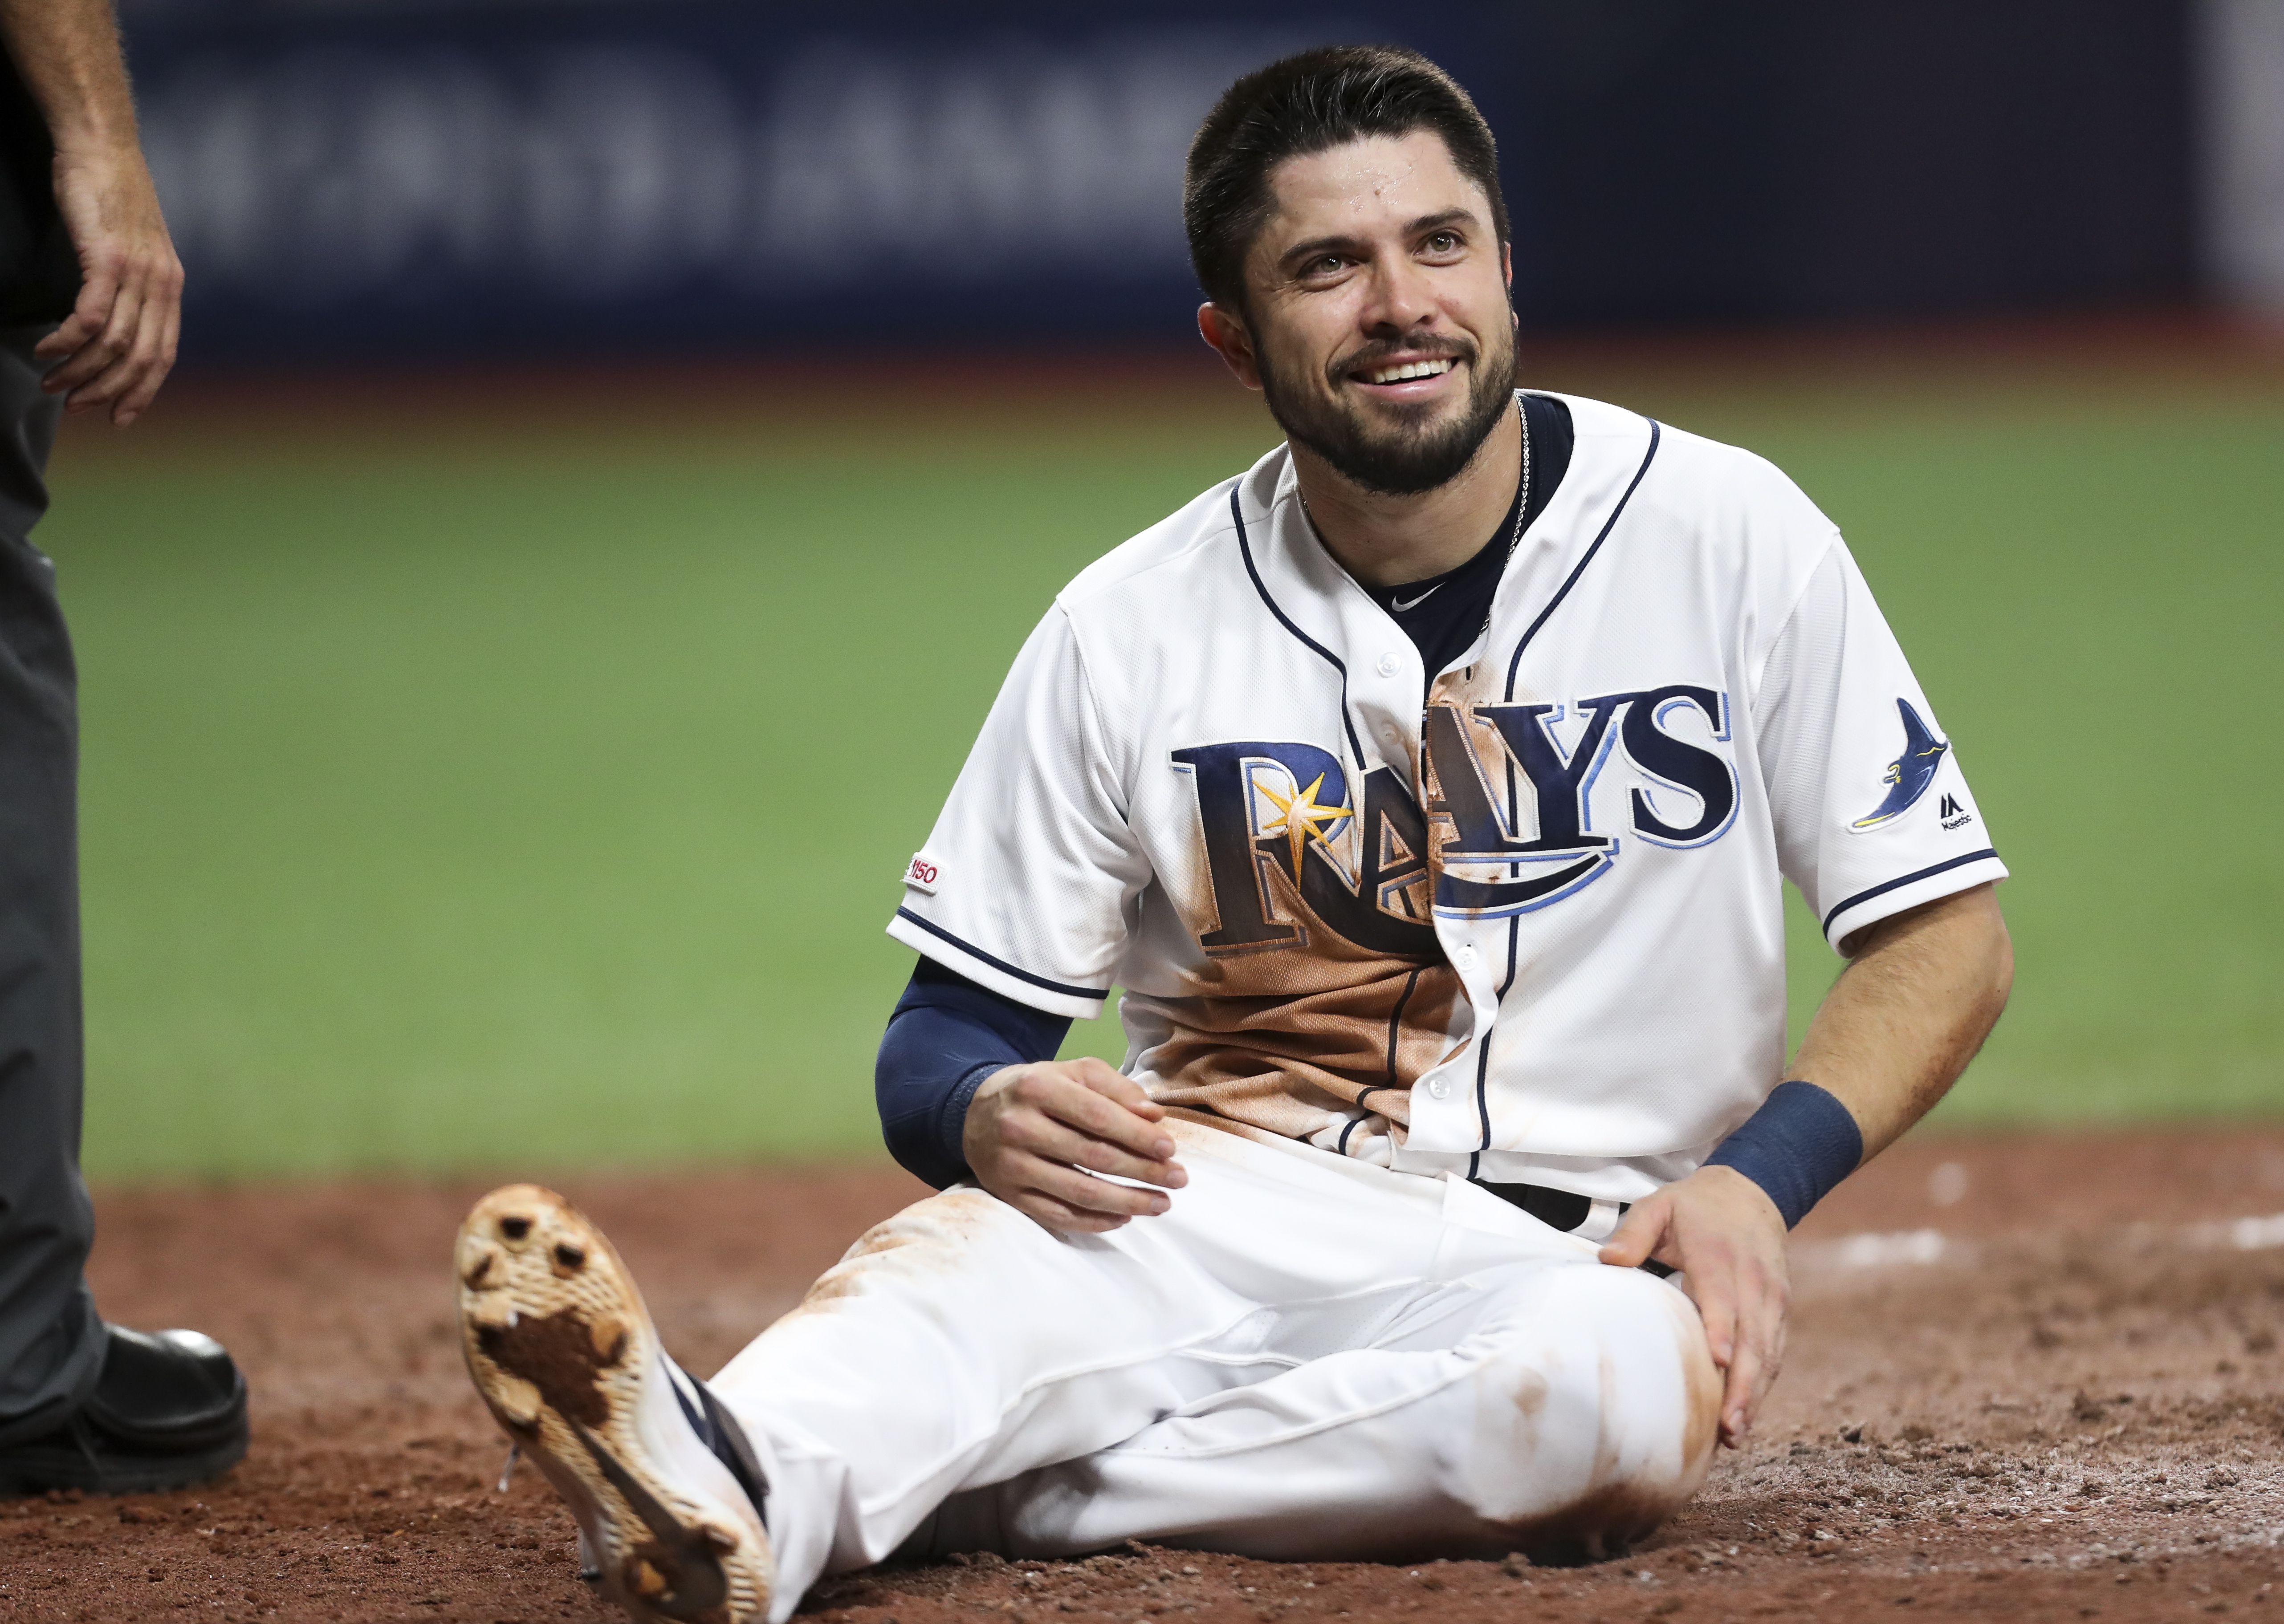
(662, 1482)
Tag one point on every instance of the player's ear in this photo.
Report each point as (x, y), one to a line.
(1507, 264)
(1227, 334)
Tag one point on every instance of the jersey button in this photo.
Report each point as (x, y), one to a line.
(1465, 959)
(1437, 1088)
(1388, 665)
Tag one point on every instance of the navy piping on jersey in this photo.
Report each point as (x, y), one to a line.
(1395, 1025)
(1513, 667)
(1483, 1062)
(1245, 549)
(1563, 591)
(1880, 890)
(1000, 965)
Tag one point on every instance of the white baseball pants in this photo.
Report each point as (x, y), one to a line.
(1306, 1358)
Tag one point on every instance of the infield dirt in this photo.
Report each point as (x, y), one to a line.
(2031, 1377)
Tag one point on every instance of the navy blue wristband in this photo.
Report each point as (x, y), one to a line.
(1800, 1143)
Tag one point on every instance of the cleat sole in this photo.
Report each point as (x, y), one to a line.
(567, 1358)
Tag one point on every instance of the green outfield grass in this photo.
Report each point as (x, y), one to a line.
(531, 799)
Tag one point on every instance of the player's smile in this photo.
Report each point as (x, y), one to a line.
(1407, 378)
(1407, 373)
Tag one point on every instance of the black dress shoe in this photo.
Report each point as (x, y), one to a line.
(168, 1412)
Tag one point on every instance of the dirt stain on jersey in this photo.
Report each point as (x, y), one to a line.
(1325, 1032)
(1298, 1038)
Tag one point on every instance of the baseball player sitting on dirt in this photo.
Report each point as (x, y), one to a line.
(1428, 787)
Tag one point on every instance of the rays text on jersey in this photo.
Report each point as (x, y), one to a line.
(1511, 792)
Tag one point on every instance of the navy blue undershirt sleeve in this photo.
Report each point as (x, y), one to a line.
(946, 1036)
(1800, 1143)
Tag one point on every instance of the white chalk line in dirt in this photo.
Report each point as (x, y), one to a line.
(2239, 1234)
(1918, 1248)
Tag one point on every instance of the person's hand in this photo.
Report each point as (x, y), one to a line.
(1037, 1134)
(1726, 1237)
(116, 347)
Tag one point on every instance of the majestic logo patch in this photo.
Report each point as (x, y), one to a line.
(1908, 776)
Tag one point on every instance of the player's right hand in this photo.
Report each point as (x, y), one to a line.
(1037, 1134)
(118, 344)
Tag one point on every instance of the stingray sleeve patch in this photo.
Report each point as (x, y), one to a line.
(1908, 776)
(920, 874)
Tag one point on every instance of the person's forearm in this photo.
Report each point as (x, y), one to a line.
(1908, 1012)
(68, 51)
(118, 343)
(945, 1038)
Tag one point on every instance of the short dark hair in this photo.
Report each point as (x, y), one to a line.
(1306, 104)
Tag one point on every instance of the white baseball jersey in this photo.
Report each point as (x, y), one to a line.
(1530, 930)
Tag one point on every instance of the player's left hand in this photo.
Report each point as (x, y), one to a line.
(118, 344)
(1726, 1237)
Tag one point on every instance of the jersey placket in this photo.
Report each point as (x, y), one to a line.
(1385, 680)
(1482, 947)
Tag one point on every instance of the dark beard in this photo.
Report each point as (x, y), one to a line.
(1409, 460)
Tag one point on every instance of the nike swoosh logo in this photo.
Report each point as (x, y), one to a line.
(1400, 606)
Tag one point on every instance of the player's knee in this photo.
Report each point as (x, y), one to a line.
(951, 1222)
(1609, 1402)
(934, 1242)
(1656, 1386)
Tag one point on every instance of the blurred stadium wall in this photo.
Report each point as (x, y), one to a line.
(362, 178)
(2242, 73)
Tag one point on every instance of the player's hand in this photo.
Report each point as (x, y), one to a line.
(1724, 1233)
(118, 344)
(1037, 1134)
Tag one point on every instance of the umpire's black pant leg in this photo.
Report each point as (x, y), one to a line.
(50, 1341)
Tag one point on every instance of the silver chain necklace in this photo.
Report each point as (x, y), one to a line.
(1522, 506)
